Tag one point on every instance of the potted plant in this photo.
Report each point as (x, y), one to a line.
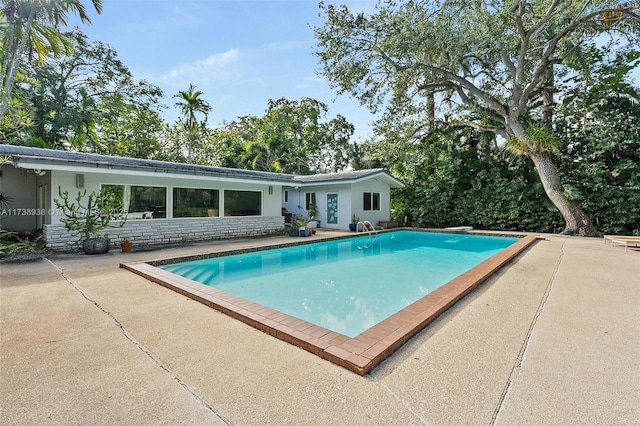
(292, 228)
(88, 216)
(354, 223)
(313, 212)
(126, 245)
(302, 228)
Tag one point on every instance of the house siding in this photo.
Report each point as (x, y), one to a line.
(167, 231)
(19, 212)
(297, 200)
(349, 202)
(147, 232)
(374, 186)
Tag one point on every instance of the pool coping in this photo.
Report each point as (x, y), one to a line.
(359, 354)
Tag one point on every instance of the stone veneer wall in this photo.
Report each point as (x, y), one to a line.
(146, 232)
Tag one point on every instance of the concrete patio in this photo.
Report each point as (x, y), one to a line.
(553, 339)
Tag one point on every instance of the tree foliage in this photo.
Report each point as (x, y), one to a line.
(487, 64)
(32, 26)
(292, 137)
(190, 103)
(598, 125)
(89, 101)
(459, 176)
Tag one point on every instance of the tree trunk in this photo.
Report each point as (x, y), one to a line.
(431, 110)
(577, 222)
(547, 97)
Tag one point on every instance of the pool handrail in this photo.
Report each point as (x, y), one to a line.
(366, 227)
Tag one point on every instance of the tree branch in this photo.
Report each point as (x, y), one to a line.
(552, 45)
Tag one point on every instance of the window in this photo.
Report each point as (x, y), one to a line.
(141, 202)
(192, 202)
(242, 203)
(371, 201)
(310, 198)
(286, 196)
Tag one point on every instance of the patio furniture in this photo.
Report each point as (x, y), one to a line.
(623, 240)
(287, 215)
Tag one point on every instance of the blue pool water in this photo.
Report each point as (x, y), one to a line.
(346, 285)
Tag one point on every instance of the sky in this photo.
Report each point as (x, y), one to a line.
(238, 53)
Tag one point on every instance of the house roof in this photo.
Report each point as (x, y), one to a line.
(49, 159)
(349, 177)
(28, 157)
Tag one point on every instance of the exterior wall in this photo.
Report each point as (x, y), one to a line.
(345, 207)
(371, 185)
(297, 200)
(349, 201)
(167, 231)
(271, 203)
(295, 203)
(21, 213)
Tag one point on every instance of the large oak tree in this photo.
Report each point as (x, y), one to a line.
(486, 64)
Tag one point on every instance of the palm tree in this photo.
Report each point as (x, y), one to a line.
(33, 24)
(190, 103)
(261, 155)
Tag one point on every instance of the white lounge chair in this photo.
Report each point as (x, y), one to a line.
(623, 240)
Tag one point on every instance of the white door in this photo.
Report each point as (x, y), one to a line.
(332, 210)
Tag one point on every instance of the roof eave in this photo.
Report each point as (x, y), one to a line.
(393, 182)
(109, 168)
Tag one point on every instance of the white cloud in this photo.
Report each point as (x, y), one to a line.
(215, 68)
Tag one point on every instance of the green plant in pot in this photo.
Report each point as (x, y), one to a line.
(293, 228)
(302, 228)
(313, 212)
(88, 216)
(354, 223)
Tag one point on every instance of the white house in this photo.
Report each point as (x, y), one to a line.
(174, 202)
(339, 197)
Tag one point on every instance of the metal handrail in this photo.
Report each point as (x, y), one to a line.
(368, 228)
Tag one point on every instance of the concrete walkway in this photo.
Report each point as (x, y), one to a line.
(552, 339)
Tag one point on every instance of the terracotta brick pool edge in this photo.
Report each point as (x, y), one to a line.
(359, 354)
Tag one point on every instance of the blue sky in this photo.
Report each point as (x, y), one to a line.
(239, 53)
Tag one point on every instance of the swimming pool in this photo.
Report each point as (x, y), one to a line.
(346, 286)
(290, 292)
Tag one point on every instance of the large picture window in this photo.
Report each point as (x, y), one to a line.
(141, 202)
(192, 202)
(371, 201)
(242, 203)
